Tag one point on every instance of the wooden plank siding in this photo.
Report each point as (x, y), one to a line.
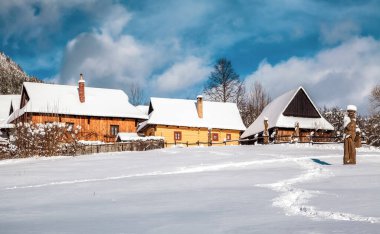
(301, 106)
(192, 135)
(285, 135)
(92, 128)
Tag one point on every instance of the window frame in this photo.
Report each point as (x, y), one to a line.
(215, 138)
(179, 134)
(228, 136)
(112, 128)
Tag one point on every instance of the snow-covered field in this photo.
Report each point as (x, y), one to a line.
(237, 189)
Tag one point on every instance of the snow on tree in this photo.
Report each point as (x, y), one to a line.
(12, 76)
(335, 116)
(30, 139)
(369, 126)
(372, 123)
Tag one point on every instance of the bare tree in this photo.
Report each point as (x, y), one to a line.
(375, 98)
(136, 94)
(31, 139)
(372, 122)
(256, 100)
(223, 84)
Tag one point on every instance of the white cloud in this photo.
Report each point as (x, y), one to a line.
(110, 58)
(183, 75)
(341, 31)
(115, 22)
(106, 61)
(338, 76)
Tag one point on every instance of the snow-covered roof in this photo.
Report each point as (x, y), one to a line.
(143, 109)
(129, 136)
(124, 136)
(181, 112)
(274, 112)
(64, 99)
(16, 102)
(5, 104)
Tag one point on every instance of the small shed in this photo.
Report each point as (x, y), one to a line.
(291, 117)
(129, 136)
(126, 136)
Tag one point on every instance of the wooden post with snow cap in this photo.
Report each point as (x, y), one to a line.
(358, 137)
(349, 124)
(296, 132)
(266, 133)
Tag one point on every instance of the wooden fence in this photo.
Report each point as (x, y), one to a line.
(275, 140)
(119, 146)
(198, 143)
(293, 139)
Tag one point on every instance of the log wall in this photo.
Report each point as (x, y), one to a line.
(92, 128)
(287, 135)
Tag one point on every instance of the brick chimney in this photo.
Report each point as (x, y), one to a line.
(81, 89)
(200, 106)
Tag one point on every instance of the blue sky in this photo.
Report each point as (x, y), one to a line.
(169, 47)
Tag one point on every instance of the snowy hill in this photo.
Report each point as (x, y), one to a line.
(12, 76)
(241, 189)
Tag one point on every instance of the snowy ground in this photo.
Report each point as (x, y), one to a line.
(237, 189)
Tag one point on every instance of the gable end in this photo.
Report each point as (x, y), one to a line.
(11, 109)
(301, 106)
(150, 108)
(24, 97)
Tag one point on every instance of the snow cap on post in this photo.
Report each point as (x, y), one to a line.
(351, 108)
(265, 118)
(81, 89)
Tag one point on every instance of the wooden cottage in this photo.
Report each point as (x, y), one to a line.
(192, 122)
(100, 113)
(291, 117)
(8, 103)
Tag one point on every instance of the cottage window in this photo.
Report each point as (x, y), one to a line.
(177, 136)
(228, 137)
(114, 130)
(215, 137)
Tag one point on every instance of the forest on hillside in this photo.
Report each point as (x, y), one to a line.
(12, 76)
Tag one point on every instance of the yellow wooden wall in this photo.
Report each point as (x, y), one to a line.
(92, 128)
(191, 135)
